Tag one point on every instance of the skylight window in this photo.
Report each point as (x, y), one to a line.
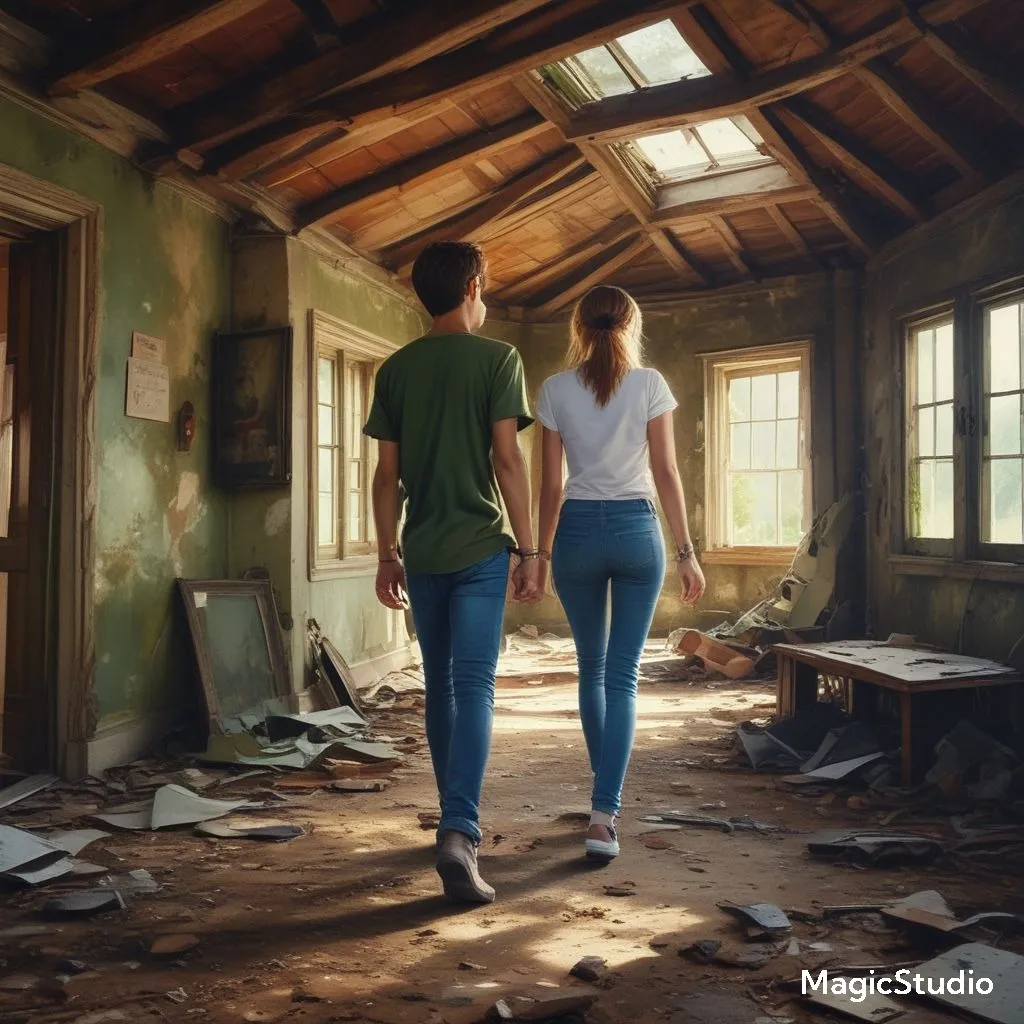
(689, 152)
(654, 55)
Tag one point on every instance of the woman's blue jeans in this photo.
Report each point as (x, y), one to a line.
(459, 617)
(602, 550)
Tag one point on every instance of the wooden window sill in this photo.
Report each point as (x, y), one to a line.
(343, 568)
(924, 565)
(782, 557)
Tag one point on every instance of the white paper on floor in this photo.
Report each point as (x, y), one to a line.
(19, 848)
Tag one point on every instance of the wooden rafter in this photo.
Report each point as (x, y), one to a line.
(733, 244)
(546, 35)
(886, 177)
(597, 269)
(576, 183)
(788, 228)
(141, 36)
(622, 227)
(986, 70)
(318, 14)
(692, 101)
(906, 99)
(467, 225)
(677, 255)
(438, 161)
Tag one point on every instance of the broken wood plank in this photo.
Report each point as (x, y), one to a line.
(442, 160)
(464, 226)
(593, 272)
(854, 154)
(144, 35)
(692, 101)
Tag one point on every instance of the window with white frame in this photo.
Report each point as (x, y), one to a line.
(963, 374)
(758, 450)
(344, 363)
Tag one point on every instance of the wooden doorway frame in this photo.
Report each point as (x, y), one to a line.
(41, 206)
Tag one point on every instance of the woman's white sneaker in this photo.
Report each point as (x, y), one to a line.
(600, 849)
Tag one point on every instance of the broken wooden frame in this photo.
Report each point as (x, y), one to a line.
(257, 681)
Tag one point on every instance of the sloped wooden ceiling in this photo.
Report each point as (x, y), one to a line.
(391, 123)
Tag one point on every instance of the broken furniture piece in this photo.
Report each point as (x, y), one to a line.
(331, 675)
(904, 670)
(717, 656)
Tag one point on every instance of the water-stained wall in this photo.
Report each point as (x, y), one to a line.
(980, 617)
(821, 309)
(165, 272)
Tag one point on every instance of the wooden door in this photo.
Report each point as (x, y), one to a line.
(26, 482)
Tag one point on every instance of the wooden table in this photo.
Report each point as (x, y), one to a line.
(907, 671)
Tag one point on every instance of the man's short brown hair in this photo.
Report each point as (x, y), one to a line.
(442, 272)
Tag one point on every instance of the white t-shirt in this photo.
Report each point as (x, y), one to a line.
(605, 447)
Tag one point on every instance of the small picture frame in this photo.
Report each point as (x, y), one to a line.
(252, 436)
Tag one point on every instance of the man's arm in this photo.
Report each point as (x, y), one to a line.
(390, 574)
(510, 469)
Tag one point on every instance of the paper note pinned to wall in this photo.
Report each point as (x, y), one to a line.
(149, 391)
(145, 346)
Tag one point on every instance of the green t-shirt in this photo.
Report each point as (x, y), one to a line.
(438, 398)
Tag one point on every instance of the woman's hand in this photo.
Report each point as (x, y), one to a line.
(691, 579)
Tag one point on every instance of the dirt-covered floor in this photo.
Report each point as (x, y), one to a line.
(346, 923)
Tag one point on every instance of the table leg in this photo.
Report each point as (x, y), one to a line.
(906, 754)
(785, 687)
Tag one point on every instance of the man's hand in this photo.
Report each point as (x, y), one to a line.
(391, 585)
(526, 582)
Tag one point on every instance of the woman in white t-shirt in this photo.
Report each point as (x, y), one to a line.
(613, 419)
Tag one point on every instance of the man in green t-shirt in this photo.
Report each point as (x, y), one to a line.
(446, 413)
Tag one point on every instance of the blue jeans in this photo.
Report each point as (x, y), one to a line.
(458, 619)
(597, 544)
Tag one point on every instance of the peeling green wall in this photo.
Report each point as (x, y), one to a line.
(165, 272)
(674, 337)
(985, 618)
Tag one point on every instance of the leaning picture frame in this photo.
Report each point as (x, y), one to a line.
(251, 402)
(239, 649)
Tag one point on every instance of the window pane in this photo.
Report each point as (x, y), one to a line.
(726, 142)
(673, 151)
(944, 363)
(1005, 508)
(925, 363)
(739, 398)
(608, 78)
(791, 503)
(762, 396)
(355, 516)
(762, 446)
(325, 471)
(325, 424)
(740, 450)
(787, 452)
(325, 520)
(933, 510)
(1004, 425)
(943, 430)
(754, 509)
(661, 53)
(325, 380)
(789, 394)
(926, 431)
(1003, 349)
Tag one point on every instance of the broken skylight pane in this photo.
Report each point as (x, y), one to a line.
(704, 147)
(661, 54)
(604, 73)
(726, 142)
(674, 152)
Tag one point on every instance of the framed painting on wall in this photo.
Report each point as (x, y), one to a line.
(252, 435)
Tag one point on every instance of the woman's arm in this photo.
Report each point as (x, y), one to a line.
(551, 487)
(662, 445)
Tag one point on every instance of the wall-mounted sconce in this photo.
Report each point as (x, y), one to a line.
(186, 427)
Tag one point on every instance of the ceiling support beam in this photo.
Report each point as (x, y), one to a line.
(662, 107)
(885, 177)
(793, 236)
(738, 255)
(678, 256)
(466, 226)
(593, 272)
(576, 183)
(444, 159)
(143, 35)
(319, 17)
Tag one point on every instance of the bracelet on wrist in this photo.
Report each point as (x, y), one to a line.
(685, 552)
(545, 556)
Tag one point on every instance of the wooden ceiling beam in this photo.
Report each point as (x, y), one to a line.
(566, 188)
(593, 272)
(733, 244)
(622, 227)
(679, 257)
(979, 65)
(691, 101)
(551, 33)
(810, 17)
(792, 235)
(319, 17)
(466, 226)
(884, 176)
(143, 35)
(434, 162)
